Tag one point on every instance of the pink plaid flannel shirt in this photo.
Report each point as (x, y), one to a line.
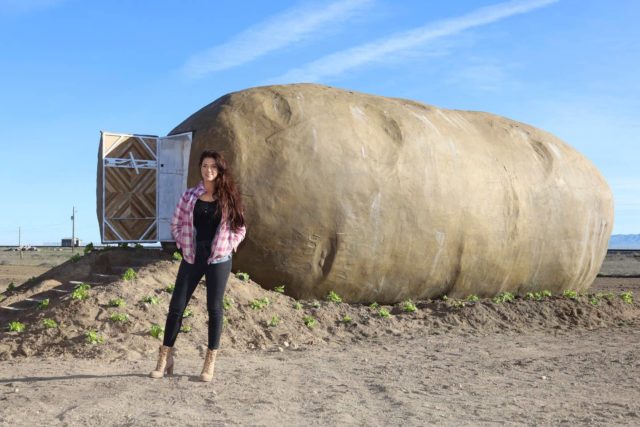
(224, 242)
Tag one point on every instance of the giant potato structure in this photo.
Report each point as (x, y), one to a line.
(383, 199)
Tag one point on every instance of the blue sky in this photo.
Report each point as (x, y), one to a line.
(71, 68)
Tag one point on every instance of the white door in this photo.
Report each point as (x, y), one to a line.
(173, 165)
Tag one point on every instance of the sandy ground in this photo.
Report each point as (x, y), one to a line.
(552, 362)
(544, 378)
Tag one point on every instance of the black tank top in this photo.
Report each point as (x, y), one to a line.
(206, 218)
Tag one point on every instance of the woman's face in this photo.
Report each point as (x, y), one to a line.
(208, 169)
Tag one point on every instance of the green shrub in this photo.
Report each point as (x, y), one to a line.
(334, 297)
(274, 320)
(150, 299)
(117, 302)
(130, 274)
(315, 304)
(606, 295)
(538, 296)
(185, 328)
(177, 256)
(81, 292)
(75, 258)
(627, 297)
(594, 300)
(49, 323)
(119, 317)
(187, 313)
(279, 289)
(170, 288)
(408, 306)
(93, 338)
(546, 294)
(346, 319)
(227, 302)
(503, 297)
(309, 321)
(472, 298)
(456, 303)
(570, 294)
(43, 304)
(383, 312)
(16, 326)
(11, 286)
(374, 305)
(297, 306)
(88, 248)
(156, 331)
(259, 303)
(242, 276)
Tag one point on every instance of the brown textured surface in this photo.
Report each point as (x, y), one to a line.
(385, 199)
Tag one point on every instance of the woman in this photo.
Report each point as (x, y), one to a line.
(208, 225)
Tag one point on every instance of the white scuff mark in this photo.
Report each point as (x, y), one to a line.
(315, 139)
(426, 121)
(440, 238)
(357, 113)
(452, 145)
(362, 151)
(374, 214)
(555, 150)
(446, 118)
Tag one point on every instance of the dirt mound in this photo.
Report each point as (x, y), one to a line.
(255, 318)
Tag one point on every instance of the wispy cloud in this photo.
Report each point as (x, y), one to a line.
(286, 28)
(342, 61)
(15, 7)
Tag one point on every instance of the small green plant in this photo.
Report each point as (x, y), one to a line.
(177, 256)
(627, 297)
(456, 303)
(119, 317)
(16, 326)
(242, 276)
(503, 297)
(130, 274)
(444, 298)
(49, 323)
(187, 313)
(374, 305)
(156, 331)
(11, 286)
(346, 319)
(570, 294)
(315, 304)
(537, 296)
(227, 302)
(185, 328)
(75, 258)
(88, 248)
(279, 289)
(309, 321)
(138, 246)
(81, 292)
(43, 304)
(170, 288)
(384, 313)
(150, 299)
(297, 306)
(472, 298)
(93, 338)
(408, 306)
(334, 297)
(606, 295)
(594, 300)
(274, 320)
(259, 303)
(117, 302)
(225, 321)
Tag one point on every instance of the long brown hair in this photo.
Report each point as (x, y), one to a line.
(225, 190)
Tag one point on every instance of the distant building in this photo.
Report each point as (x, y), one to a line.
(67, 242)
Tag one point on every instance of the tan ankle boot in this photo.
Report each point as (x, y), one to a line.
(165, 362)
(209, 362)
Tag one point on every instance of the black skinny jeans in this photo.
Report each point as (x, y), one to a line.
(189, 275)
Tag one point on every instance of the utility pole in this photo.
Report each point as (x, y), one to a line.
(73, 230)
(19, 242)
